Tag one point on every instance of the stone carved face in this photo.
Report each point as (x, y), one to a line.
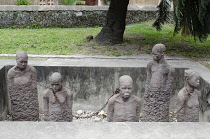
(22, 60)
(125, 86)
(158, 51)
(194, 80)
(157, 55)
(55, 81)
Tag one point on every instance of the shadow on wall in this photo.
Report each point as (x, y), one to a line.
(3, 95)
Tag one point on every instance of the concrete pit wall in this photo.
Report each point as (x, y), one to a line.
(66, 16)
(92, 86)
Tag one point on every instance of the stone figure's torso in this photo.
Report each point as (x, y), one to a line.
(190, 109)
(159, 73)
(156, 97)
(126, 111)
(58, 105)
(23, 94)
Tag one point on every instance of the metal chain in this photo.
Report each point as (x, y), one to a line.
(96, 113)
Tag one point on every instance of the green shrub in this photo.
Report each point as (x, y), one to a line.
(74, 2)
(34, 26)
(23, 2)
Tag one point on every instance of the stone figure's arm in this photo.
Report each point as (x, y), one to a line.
(33, 76)
(10, 77)
(110, 110)
(149, 75)
(180, 101)
(170, 79)
(138, 109)
(46, 105)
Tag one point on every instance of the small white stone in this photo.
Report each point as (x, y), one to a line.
(102, 113)
(80, 112)
(97, 119)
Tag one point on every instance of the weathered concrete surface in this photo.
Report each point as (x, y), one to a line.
(52, 130)
(66, 16)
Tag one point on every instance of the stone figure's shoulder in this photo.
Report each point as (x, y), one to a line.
(198, 93)
(47, 92)
(11, 72)
(135, 98)
(113, 98)
(150, 63)
(31, 68)
(182, 93)
(171, 68)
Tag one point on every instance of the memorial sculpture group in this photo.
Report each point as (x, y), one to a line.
(121, 107)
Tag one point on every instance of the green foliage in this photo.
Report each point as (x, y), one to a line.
(23, 2)
(192, 17)
(138, 39)
(74, 2)
(34, 26)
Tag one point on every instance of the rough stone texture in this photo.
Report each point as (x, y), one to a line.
(124, 130)
(158, 87)
(190, 110)
(58, 111)
(188, 98)
(66, 16)
(119, 111)
(57, 101)
(123, 106)
(23, 94)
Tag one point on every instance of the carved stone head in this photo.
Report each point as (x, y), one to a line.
(55, 81)
(192, 78)
(158, 51)
(22, 59)
(126, 83)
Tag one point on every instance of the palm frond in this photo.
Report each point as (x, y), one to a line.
(190, 18)
(162, 14)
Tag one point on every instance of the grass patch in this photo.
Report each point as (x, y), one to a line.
(138, 38)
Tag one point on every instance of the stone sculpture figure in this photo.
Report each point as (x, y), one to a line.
(188, 98)
(22, 90)
(158, 87)
(57, 101)
(206, 115)
(124, 107)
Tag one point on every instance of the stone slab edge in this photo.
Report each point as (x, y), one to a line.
(121, 130)
(63, 7)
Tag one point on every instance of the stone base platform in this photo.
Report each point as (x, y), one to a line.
(56, 130)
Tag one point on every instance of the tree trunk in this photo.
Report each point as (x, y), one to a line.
(114, 27)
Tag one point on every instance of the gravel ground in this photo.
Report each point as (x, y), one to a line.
(101, 117)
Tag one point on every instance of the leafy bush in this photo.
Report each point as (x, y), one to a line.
(74, 2)
(23, 2)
